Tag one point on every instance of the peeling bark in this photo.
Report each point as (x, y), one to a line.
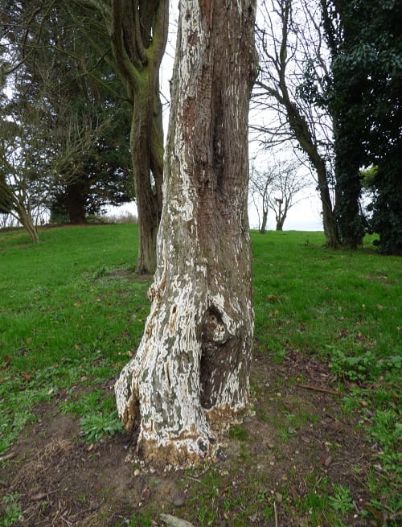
(190, 376)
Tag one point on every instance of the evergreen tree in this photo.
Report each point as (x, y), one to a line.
(366, 93)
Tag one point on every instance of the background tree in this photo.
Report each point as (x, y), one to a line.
(18, 185)
(259, 189)
(138, 30)
(191, 371)
(287, 183)
(287, 50)
(344, 102)
(366, 93)
(276, 187)
(81, 126)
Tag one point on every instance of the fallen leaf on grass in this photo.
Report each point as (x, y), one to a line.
(6, 361)
(272, 298)
(39, 496)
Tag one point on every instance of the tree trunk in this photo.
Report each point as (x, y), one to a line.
(74, 202)
(279, 224)
(138, 33)
(263, 228)
(348, 188)
(26, 221)
(146, 141)
(190, 376)
(328, 216)
(301, 130)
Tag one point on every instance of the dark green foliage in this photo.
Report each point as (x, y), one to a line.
(348, 184)
(343, 100)
(387, 204)
(5, 198)
(365, 97)
(66, 100)
(104, 177)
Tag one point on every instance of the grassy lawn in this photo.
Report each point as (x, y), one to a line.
(72, 311)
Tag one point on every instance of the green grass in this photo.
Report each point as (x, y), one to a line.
(98, 414)
(11, 510)
(65, 318)
(332, 304)
(345, 308)
(72, 311)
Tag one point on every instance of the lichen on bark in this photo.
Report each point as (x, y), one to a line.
(190, 376)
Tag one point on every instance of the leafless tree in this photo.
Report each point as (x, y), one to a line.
(259, 189)
(287, 183)
(292, 55)
(277, 187)
(16, 176)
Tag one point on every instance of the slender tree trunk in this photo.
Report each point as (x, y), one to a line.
(263, 228)
(304, 136)
(74, 202)
(9, 203)
(279, 224)
(328, 215)
(190, 376)
(146, 142)
(26, 221)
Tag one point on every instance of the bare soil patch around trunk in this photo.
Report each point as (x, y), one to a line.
(295, 444)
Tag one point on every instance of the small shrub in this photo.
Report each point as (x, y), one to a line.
(342, 500)
(365, 366)
(353, 368)
(95, 426)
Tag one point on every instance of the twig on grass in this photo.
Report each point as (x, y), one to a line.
(276, 515)
(319, 389)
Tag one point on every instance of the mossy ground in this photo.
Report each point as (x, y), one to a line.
(323, 445)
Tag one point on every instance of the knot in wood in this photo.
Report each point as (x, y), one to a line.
(214, 330)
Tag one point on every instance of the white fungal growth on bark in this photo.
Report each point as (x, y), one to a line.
(189, 377)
